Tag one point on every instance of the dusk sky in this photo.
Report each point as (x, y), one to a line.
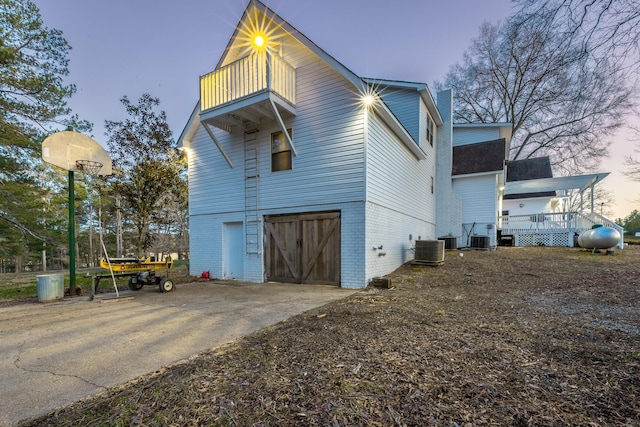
(129, 47)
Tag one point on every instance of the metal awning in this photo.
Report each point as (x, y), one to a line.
(581, 182)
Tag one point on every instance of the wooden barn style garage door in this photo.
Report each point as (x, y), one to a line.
(303, 248)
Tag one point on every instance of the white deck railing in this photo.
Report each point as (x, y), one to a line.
(554, 222)
(249, 75)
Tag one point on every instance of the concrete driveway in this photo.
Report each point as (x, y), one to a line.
(54, 354)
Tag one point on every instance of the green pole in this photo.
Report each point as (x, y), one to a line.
(72, 236)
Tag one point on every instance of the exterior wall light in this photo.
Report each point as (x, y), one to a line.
(259, 41)
(367, 100)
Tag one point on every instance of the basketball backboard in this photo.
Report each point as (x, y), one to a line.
(64, 149)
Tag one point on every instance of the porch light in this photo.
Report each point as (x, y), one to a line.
(367, 100)
(259, 41)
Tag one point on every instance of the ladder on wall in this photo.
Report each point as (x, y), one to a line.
(251, 220)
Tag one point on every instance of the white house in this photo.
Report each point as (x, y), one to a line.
(515, 202)
(299, 170)
(479, 153)
(302, 171)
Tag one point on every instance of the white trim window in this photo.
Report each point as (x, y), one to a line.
(280, 152)
(431, 129)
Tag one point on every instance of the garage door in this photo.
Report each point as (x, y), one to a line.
(303, 248)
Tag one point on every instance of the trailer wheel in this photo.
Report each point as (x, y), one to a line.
(166, 285)
(135, 285)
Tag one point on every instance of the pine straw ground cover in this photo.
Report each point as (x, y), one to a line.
(518, 336)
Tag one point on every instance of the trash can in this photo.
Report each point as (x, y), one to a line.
(50, 287)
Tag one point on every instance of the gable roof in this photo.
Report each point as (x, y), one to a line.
(528, 169)
(481, 157)
(361, 85)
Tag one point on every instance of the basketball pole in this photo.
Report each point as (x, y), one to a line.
(72, 235)
(61, 149)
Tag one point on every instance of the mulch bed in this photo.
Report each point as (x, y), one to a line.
(518, 336)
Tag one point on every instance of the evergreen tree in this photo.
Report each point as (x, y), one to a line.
(33, 95)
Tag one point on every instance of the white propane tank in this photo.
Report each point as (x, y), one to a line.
(599, 238)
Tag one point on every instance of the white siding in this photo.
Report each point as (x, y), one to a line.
(395, 178)
(471, 135)
(328, 136)
(400, 206)
(396, 233)
(480, 205)
(327, 174)
(213, 185)
(405, 105)
(529, 206)
(382, 201)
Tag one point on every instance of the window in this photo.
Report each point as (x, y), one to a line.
(431, 129)
(432, 185)
(280, 152)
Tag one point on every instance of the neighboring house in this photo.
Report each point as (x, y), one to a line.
(301, 171)
(479, 153)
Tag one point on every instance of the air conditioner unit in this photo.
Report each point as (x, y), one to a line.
(450, 243)
(480, 242)
(429, 252)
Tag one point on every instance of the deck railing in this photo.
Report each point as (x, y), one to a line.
(249, 75)
(574, 222)
(511, 224)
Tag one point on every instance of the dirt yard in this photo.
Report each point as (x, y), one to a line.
(518, 336)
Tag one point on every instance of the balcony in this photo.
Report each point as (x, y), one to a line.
(248, 91)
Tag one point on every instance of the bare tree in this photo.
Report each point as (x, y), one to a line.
(561, 103)
(633, 163)
(606, 28)
(603, 201)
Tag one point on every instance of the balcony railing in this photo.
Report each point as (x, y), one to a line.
(247, 76)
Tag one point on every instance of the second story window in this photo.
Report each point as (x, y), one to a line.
(431, 130)
(280, 152)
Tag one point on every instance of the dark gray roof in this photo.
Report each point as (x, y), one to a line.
(522, 170)
(480, 157)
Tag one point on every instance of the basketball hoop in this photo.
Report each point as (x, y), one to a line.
(88, 167)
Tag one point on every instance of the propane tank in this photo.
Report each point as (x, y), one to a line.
(599, 238)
